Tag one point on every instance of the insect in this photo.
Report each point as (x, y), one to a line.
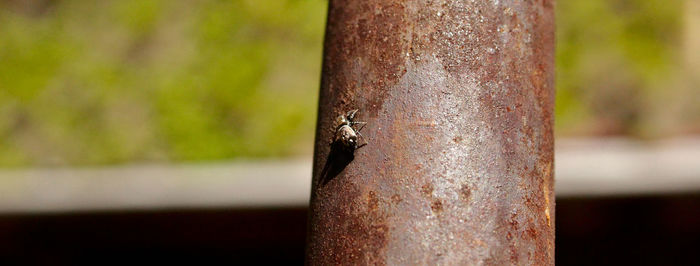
(345, 134)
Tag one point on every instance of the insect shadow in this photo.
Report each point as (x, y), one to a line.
(338, 158)
(346, 141)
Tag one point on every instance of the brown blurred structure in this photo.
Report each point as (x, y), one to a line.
(458, 97)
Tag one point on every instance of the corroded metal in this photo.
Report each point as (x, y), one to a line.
(458, 99)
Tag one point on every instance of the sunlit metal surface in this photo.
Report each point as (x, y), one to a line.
(458, 99)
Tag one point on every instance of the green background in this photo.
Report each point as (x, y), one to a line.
(105, 82)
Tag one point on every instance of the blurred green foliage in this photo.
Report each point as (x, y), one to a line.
(95, 82)
(616, 61)
(99, 82)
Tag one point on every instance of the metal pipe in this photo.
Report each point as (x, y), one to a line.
(458, 98)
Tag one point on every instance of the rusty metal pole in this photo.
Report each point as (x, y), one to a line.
(458, 96)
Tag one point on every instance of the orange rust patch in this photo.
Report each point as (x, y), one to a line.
(436, 206)
(427, 190)
(372, 201)
(465, 193)
(396, 198)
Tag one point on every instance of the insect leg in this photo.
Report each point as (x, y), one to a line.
(363, 138)
(359, 123)
(351, 114)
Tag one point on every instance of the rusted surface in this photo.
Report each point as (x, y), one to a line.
(458, 96)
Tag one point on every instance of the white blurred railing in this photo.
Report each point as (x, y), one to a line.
(583, 167)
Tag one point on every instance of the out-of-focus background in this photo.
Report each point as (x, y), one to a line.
(114, 82)
(159, 127)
